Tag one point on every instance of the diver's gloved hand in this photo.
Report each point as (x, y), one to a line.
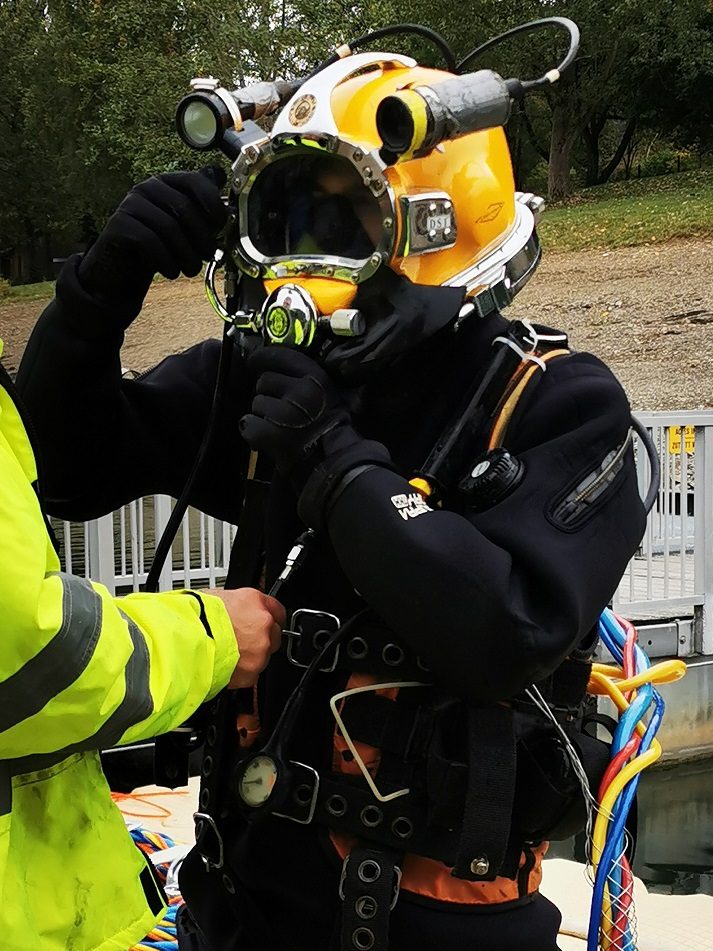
(299, 419)
(167, 225)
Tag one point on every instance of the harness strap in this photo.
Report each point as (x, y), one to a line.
(245, 565)
(369, 889)
(519, 383)
(491, 789)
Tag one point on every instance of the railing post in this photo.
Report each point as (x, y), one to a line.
(100, 533)
(703, 549)
(161, 514)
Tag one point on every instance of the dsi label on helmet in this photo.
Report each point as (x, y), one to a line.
(410, 506)
(429, 223)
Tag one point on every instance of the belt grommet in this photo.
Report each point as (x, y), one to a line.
(366, 907)
(371, 816)
(357, 648)
(402, 827)
(303, 794)
(336, 806)
(207, 767)
(363, 939)
(228, 884)
(320, 638)
(392, 655)
(211, 735)
(480, 866)
(204, 798)
(369, 871)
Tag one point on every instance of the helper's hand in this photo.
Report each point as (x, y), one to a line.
(167, 225)
(257, 621)
(299, 419)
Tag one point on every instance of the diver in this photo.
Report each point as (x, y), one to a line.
(462, 488)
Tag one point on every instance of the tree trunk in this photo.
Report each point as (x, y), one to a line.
(565, 129)
(591, 134)
(516, 152)
(558, 180)
(525, 119)
(626, 138)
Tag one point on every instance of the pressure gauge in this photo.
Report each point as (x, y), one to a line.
(256, 780)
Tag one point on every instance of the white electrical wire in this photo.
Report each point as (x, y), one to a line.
(590, 802)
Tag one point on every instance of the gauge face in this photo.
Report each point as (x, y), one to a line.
(258, 780)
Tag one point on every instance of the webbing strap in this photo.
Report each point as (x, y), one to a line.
(489, 799)
(369, 889)
(522, 379)
(221, 737)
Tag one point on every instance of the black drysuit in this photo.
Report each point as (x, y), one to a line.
(491, 601)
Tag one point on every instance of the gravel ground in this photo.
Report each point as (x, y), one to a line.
(646, 311)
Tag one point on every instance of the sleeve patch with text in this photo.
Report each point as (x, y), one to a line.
(410, 506)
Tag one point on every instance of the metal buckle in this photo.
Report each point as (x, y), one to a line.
(208, 822)
(397, 882)
(292, 635)
(397, 887)
(313, 801)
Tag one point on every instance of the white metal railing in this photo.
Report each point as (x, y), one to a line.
(671, 575)
(117, 549)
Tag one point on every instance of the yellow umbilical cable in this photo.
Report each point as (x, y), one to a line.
(609, 680)
(667, 672)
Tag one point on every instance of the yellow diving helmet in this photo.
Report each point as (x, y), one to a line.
(374, 164)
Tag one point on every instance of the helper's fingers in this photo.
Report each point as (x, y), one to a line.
(275, 638)
(276, 609)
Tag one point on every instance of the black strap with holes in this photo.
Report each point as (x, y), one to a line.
(245, 565)
(369, 890)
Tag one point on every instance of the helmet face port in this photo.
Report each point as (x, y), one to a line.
(305, 204)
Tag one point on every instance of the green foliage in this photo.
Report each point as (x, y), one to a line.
(5, 288)
(90, 88)
(632, 213)
(661, 162)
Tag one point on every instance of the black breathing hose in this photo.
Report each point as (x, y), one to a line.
(179, 509)
(528, 85)
(651, 451)
(396, 29)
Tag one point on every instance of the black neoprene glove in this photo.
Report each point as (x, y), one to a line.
(299, 419)
(167, 225)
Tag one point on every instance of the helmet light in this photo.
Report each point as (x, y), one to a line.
(206, 114)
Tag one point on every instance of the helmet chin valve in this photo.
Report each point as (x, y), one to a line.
(290, 316)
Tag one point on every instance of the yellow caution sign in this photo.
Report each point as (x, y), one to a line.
(674, 439)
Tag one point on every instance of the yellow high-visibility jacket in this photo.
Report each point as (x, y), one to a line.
(81, 671)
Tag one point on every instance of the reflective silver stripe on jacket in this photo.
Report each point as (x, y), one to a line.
(135, 707)
(61, 661)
